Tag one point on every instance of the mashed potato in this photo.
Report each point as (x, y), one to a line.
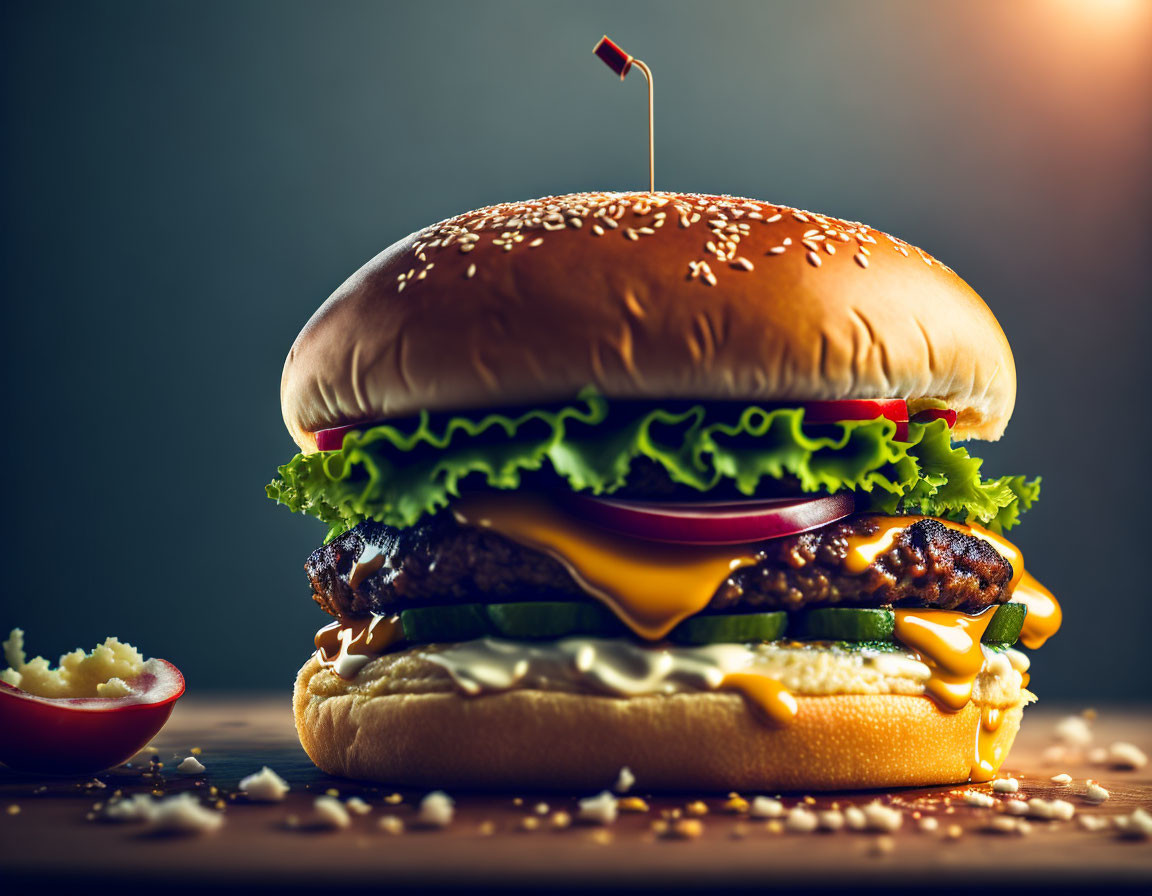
(101, 673)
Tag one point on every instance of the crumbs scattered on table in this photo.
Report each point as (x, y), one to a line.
(330, 813)
(436, 810)
(265, 786)
(600, 809)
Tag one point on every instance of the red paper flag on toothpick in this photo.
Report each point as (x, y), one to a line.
(615, 58)
(621, 63)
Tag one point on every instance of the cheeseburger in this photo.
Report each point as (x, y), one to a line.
(660, 480)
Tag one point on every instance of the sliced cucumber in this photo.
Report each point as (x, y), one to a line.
(730, 628)
(560, 619)
(860, 624)
(553, 619)
(846, 624)
(1005, 625)
(453, 622)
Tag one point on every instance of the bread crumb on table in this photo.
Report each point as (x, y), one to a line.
(599, 809)
(265, 786)
(436, 810)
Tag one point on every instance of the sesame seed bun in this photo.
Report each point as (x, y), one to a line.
(646, 296)
(685, 741)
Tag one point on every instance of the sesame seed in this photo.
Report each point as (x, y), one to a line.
(1094, 793)
(801, 821)
(800, 216)
(776, 217)
(647, 231)
(610, 223)
(1005, 785)
(829, 248)
(631, 233)
(860, 260)
(539, 241)
(813, 259)
(1126, 756)
(597, 230)
(777, 250)
(809, 245)
(743, 263)
(471, 272)
(709, 277)
(787, 241)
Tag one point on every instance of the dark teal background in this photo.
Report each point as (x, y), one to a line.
(183, 183)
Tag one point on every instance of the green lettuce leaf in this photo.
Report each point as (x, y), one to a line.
(398, 475)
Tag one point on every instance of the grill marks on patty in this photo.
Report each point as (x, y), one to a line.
(440, 561)
(928, 565)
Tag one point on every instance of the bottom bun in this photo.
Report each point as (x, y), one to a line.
(685, 741)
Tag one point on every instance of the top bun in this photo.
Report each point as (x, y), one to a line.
(646, 296)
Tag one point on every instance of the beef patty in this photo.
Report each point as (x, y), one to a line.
(441, 561)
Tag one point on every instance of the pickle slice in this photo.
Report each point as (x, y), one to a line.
(1005, 625)
(529, 620)
(553, 619)
(730, 628)
(869, 624)
(846, 624)
(453, 622)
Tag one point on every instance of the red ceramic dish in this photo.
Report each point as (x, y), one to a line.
(86, 734)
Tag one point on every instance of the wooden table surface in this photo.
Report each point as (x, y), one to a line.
(55, 833)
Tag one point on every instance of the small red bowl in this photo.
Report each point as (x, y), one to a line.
(82, 735)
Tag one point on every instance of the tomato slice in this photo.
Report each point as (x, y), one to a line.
(333, 439)
(895, 409)
(86, 734)
(948, 416)
(713, 522)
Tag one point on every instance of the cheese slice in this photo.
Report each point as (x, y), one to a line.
(650, 586)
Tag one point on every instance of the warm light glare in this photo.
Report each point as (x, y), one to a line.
(1106, 8)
